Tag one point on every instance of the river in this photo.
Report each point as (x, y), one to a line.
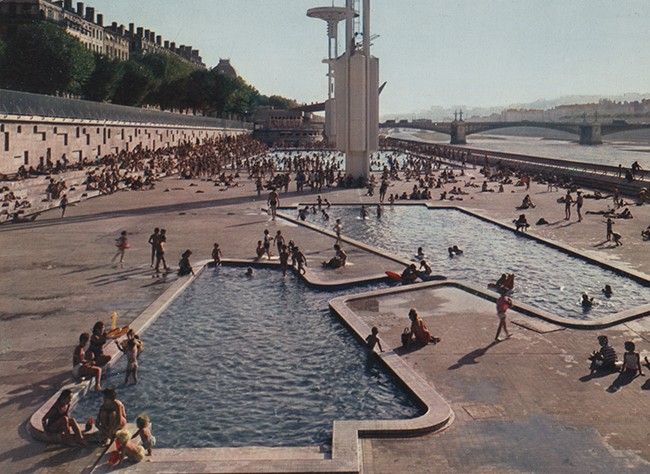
(612, 152)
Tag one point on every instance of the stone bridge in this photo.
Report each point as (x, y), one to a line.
(589, 133)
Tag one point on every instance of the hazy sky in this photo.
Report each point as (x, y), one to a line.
(431, 52)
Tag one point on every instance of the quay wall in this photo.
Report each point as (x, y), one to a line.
(35, 128)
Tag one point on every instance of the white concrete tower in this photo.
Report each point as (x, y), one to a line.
(357, 93)
(332, 15)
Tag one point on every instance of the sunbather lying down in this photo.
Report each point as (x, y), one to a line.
(624, 214)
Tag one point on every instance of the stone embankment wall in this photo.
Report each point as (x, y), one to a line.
(35, 128)
(26, 140)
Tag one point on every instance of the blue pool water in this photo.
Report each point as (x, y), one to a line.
(546, 278)
(244, 362)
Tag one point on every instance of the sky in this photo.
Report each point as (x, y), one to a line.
(479, 53)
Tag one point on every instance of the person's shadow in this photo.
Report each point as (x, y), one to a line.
(598, 373)
(471, 358)
(624, 378)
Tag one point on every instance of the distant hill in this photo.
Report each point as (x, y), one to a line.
(447, 113)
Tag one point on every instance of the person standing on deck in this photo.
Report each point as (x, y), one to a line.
(153, 241)
(503, 304)
(579, 203)
(273, 202)
(568, 200)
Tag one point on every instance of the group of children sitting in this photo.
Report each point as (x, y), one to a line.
(606, 358)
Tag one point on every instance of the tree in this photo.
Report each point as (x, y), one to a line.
(102, 83)
(280, 102)
(42, 58)
(134, 85)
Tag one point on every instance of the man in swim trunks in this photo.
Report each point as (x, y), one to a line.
(273, 202)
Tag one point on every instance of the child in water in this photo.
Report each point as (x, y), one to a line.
(373, 340)
(144, 432)
(216, 255)
(131, 348)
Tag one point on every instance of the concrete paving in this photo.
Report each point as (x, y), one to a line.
(523, 405)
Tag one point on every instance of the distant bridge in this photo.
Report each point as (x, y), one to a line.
(589, 133)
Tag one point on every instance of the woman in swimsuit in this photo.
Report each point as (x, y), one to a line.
(97, 341)
(57, 420)
(82, 367)
(419, 330)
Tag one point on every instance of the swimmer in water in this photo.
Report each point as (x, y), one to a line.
(607, 291)
(364, 212)
(587, 301)
(249, 272)
(420, 255)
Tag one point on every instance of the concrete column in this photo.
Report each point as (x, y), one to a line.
(458, 136)
(590, 135)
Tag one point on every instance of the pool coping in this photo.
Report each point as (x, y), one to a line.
(601, 323)
(345, 456)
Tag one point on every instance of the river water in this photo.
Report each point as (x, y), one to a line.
(611, 152)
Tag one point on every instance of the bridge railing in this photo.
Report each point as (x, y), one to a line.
(582, 166)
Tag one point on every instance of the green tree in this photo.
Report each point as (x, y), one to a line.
(280, 102)
(42, 58)
(135, 83)
(102, 83)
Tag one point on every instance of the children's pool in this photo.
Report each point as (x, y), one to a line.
(546, 278)
(238, 361)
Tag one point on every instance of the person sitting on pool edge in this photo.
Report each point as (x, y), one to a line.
(419, 331)
(521, 224)
(409, 274)
(605, 358)
(184, 265)
(58, 421)
(338, 260)
(112, 415)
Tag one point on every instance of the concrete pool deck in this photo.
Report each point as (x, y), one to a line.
(520, 405)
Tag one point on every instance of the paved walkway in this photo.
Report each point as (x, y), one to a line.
(521, 405)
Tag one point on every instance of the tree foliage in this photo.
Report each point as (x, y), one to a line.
(42, 58)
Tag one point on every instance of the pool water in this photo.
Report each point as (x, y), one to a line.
(546, 278)
(238, 361)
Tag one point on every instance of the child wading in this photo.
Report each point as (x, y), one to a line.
(131, 348)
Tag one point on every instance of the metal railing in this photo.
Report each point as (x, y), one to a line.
(27, 104)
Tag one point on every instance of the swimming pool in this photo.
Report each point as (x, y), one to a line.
(546, 278)
(237, 361)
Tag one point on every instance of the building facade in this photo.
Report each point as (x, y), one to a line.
(81, 22)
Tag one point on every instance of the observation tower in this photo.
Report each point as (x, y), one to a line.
(353, 113)
(333, 16)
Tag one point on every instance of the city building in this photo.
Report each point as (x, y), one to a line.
(287, 128)
(224, 67)
(82, 23)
